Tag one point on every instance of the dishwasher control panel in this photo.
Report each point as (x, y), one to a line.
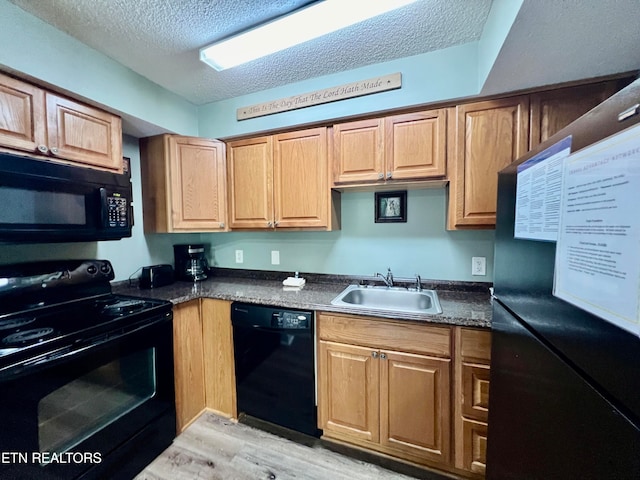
(290, 320)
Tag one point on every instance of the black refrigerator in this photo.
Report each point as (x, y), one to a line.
(565, 384)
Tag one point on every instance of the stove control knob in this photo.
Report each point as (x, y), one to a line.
(92, 270)
(105, 268)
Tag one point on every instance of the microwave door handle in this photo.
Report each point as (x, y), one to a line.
(104, 211)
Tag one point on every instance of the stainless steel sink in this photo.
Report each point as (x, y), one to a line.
(389, 299)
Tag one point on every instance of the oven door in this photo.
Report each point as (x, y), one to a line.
(101, 410)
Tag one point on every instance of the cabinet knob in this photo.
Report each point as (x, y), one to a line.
(221, 224)
(43, 148)
(380, 176)
(383, 356)
(374, 354)
(269, 224)
(389, 174)
(54, 150)
(275, 224)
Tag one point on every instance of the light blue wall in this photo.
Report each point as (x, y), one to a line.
(428, 78)
(363, 247)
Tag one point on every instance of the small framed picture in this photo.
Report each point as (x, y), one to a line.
(391, 207)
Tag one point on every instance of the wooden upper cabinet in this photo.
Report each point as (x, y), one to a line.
(21, 123)
(280, 181)
(41, 123)
(416, 145)
(183, 184)
(250, 179)
(484, 137)
(301, 179)
(400, 147)
(553, 110)
(358, 151)
(83, 134)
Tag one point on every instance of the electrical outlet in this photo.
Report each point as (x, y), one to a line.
(478, 266)
(239, 256)
(275, 257)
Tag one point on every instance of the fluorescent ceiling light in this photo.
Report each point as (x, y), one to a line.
(298, 27)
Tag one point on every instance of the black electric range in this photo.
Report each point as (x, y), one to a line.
(86, 375)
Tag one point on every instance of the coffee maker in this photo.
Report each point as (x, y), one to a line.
(190, 262)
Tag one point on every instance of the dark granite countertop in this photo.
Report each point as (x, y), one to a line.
(463, 303)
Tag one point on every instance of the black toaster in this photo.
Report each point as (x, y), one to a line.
(156, 276)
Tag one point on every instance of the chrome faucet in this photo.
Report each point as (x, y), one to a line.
(388, 280)
(418, 283)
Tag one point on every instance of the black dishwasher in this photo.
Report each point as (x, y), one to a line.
(274, 361)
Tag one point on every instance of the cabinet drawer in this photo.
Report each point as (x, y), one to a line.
(475, 344)
(475, 391)
(474, 453)
(391, 335)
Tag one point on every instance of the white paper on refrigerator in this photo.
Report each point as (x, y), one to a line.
(538, 191)
(598, 249)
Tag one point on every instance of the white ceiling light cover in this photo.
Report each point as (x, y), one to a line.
(293, 29)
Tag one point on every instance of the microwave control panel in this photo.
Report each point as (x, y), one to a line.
(115, 208)
(117, 211)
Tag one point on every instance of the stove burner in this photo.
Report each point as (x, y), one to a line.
(123, 307)
(15, 323)
(27, 335)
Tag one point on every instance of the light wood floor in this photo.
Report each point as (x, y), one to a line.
(217, 448)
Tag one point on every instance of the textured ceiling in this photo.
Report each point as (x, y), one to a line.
(160, 39)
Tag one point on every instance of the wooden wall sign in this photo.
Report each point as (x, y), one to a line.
(333, 94)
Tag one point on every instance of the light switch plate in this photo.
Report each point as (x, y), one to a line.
(478, 266)
(275, 257)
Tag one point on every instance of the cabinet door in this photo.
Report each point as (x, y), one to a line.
(22, 123)
(484, 138)
(348, 391)
(197, 184)
(415, 145)
(555, 109)
(250, 170)
(188, 363)
(219, 370)
(414, 405)
(358, 151)
(83, 134)
(301, 184)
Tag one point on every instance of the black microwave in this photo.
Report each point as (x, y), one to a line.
(43, 201)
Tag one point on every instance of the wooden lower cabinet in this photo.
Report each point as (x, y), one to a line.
(471, 398)
(414, 405)
(219, 370)
(416, 392)
(203, 360)
(377, 396)
(188, 363)
(348, 385)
